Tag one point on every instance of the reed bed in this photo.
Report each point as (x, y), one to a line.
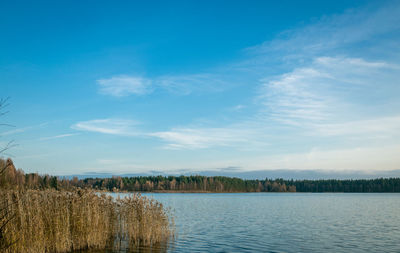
(61, 221)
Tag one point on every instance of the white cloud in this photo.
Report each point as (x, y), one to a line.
(380, 127)
(120, 86)
(239, 107)
(240, 136)
(198, 138)
(328, 91)
(292, 96)
(372, 158)
(23, 129)
(346, 159)
(57, 136)
(319, 99)
(331, 89)
(187, 84)
(125, 85)
(343, 63)
(337, 31)
(108, 126)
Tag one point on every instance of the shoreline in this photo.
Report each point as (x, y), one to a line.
(207, 192)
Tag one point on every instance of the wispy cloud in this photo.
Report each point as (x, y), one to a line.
(121, 86)
(187, 84)
(188, 138)
(58, 136)
(239, 107)
(125, 85)
(328, 93)
(22, 129)
(318, 98)
(109, 126)
(198, 138)
(292, 97)
(373, 158)
(334, 79)
(336, 32)
(327, 90)
(380, 127)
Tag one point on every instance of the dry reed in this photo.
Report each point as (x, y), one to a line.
(61, 221)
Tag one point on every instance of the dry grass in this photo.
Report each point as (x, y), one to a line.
(142, 222)
(60, 221)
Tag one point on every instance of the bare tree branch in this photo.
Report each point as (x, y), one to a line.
(6, 215)
(4, 124)
(3, 104)
(9, 145)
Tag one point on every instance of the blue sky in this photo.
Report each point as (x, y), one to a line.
(132, 87)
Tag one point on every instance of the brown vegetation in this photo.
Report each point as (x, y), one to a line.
(51, 220)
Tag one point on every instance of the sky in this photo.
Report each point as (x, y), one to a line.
(169, 86)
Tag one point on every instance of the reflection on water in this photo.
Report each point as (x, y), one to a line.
(279, 222)
(124, 248)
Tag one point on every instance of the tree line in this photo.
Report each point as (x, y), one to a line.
(17, 178)
(228, 184)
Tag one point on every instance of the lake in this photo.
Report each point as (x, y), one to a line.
(284, 222)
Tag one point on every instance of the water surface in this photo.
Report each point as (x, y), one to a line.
(284, 222)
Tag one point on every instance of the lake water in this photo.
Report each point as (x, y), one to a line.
(284, 222)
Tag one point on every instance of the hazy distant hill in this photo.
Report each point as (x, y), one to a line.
(232, 172)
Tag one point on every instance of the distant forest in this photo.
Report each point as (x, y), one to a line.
(18, 178)
(227, 184)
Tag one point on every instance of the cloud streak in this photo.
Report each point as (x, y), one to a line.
(187, 84)
(122, 86)
(23, 129)
(315, 98)
(326, 92)
(200, 138)
(175, 138)
(329, 93)
(336, 32)
(336, 80)
(122, 127)
(126, 85)
(58, 136)
(381, 127)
